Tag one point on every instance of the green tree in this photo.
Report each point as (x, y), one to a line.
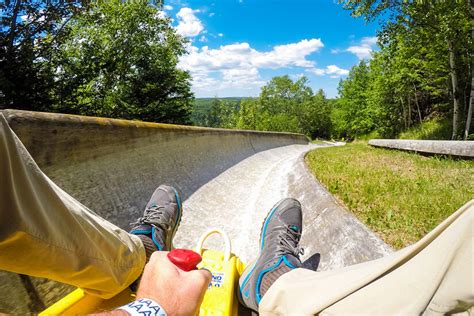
(229, 114)
(285, 105)
(29, 33)
(282, 101)
(214, 116)
(353, 103)
(471, 95)
(427, 47)
(120, 61)
(315, 116)
(248, 116)
(222, 114)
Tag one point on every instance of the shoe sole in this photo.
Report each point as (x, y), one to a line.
(247, 271)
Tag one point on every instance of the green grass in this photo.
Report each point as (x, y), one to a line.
(438, 129)
(399, 195)
(369, 136)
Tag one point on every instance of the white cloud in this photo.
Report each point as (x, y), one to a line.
(238, 64)
(188, 24)
(243, 56)
(240, 76)
(289, 55)
(332, 70)
(203, 39)
(335, 70)
(297, 76)
(317, 71)
(212, 14)
(167, 7)
(365, 49)
(361, 52)
(220, 34)
(370, 41)
(204, 81)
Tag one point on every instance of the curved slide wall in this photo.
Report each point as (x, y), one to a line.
(457, 148)
(112, 166)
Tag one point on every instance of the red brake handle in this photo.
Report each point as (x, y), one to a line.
(184, 259)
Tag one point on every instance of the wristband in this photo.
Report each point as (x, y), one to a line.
(144, 306)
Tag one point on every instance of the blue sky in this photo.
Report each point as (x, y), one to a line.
(236, 46)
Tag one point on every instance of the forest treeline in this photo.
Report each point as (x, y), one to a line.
(119, 59)
(284, 105)
(422, 69)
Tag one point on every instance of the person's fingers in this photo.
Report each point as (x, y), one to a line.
(206, 269)
(201, 277)
(158, 256)
(207, 275)
(200, 280)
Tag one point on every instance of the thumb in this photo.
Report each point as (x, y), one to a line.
(200, 280)
(202, 276)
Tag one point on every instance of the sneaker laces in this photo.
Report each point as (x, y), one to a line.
(153, 215)
(289, 242)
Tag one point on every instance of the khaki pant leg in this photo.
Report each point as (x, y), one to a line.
(44, 232)
(433, 276)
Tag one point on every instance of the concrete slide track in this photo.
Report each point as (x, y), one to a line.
(228, 179)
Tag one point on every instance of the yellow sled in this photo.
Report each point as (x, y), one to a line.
(220, 297)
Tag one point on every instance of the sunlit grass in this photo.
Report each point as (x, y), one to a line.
(431, 129)
(399, 195)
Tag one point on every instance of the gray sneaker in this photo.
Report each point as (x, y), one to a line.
(158, 225)
(279, 252)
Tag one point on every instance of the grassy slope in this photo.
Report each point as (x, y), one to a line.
(436, 129)
(399, 195)
(430, 129)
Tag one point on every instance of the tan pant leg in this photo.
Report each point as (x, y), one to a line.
(45, 232)
(433, 276)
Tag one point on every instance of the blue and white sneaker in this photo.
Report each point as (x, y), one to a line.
(279, 252)
(158, 225)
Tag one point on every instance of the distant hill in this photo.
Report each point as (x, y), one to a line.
(209, 100)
